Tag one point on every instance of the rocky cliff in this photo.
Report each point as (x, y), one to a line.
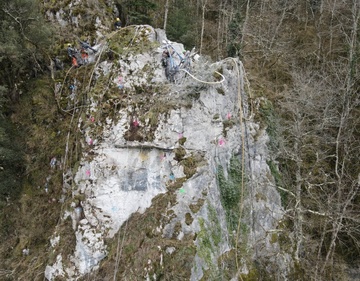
(173, 180)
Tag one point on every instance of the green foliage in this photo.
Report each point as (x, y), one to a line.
(209, 238)
(181, 24)
(139, 11)
(24, 37)
(215, 225)
(44, 128)
(278, 181)
(11, 162)
(182, 140)
(205, 245)
(234, 34)
(230, 191)
(227, 124)
(131, 41)
(3, 99)
(269, 117)
(190, 165)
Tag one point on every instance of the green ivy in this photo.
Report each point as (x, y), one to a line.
(230, 191)
(268, 114)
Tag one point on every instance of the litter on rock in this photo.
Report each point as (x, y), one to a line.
(221, 142)
(135, 123)
(53, 162)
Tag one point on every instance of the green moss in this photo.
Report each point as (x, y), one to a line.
(260, 196)
(132, 40)
(252, 275)
(205, 248)
(194, 95)
(188, 219)
(220, 91)
(209, 238)
(67, 241)
(217, 76)
(227, 264)
(189, 165)
(215, 225)
(274, 238)
(230, 191)
(78, 198)
(180, 152)
(298, 273)
(196, 207)
(269, 118)
(278, 181)
(42, 119)
(177, 184)
(227, 124)
(153, 117)
(182, 140)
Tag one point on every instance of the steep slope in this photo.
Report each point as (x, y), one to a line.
(173, 180)
(130, 177)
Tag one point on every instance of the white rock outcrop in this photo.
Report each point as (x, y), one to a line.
(122, 177)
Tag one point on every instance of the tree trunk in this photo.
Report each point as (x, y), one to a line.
(166, 13)
(204, 2)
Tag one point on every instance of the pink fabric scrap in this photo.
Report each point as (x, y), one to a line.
(87, 172)
(135, 123)
(92, 119)
(228, 116)
(180, 135)
(221, 142)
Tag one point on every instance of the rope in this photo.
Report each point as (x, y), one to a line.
(247, 83)
(242, 164)
(205, 82)
(119, 251)
(177, 67)
(244, 139)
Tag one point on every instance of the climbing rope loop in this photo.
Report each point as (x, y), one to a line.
(178, 67)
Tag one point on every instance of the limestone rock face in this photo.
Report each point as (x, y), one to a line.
(194, 141)
(79, 16)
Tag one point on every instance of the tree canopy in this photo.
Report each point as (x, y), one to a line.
(23, 41)
(24, 37)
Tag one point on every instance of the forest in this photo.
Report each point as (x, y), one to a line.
(302, 60)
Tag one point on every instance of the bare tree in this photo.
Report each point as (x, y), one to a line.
(203, 10)
(166, 13)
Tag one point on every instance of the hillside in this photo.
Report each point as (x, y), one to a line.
(236, 161)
